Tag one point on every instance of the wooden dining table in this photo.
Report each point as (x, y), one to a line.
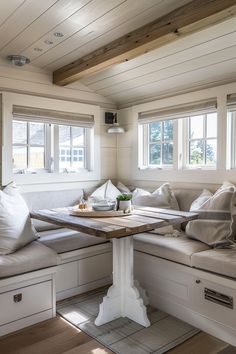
(125, 297)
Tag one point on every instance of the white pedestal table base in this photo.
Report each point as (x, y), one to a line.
(125, 298)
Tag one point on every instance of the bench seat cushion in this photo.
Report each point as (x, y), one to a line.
(220, 261)
(177, 249)
(31, 257)
(65, 240)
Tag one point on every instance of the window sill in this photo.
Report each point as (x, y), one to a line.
(50, 178)
(160, 168)
(199, 168)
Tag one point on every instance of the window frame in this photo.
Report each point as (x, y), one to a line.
(144, 145)
(231, 138)
(52, 148)
(86, 146)
(187, 140)
(28, 145)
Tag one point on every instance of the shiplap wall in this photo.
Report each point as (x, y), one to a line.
(127, 144)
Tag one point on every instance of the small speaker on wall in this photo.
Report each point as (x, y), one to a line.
(109, 117)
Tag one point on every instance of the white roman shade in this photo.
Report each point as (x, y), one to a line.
(178, 111)
(52, 117)
(231, 102)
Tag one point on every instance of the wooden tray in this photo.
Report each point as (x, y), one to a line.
(98, 214)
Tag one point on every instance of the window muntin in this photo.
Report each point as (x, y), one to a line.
(28, 145)
(202, 140)
(72, 147)
(160, 143)
(157, 144)
(49, 147)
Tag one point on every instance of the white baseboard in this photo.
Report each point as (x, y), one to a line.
(83, 288)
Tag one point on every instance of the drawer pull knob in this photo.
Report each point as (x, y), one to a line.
(17, 297)
(198, 281)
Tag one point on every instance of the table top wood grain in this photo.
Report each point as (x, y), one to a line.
(143, 219)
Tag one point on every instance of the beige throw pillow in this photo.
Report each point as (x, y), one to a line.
(122, 188)
(16, 229)
(162, 197)
(215, 225)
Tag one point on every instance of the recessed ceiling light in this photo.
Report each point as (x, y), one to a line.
(47, 41)
(18, 60)
(38, 49)
(58, 34)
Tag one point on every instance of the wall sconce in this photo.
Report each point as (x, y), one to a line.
(111, 118)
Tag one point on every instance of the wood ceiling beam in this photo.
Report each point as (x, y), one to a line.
(181, 22)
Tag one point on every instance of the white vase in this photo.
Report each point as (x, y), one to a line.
(125, 205)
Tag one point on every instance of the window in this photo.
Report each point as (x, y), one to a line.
(40, 147)
(177, 137)
(157, 144)
(202, 140)
(28, 145)
(72, 147)
(160, 143)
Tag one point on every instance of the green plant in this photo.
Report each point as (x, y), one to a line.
(123, 197)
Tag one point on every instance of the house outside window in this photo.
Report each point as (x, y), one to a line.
(47, 148)
(29, 145)
(72, 147)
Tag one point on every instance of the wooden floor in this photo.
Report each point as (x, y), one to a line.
(57, 336)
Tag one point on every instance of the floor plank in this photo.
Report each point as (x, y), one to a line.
(55, 336)
(201, 343)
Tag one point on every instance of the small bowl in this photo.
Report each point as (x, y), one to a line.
(103, 207)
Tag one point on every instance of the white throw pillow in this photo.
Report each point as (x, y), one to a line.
(203, 197)
(107, 191)
(122, 188)
(162, 197)
(16, 229)
(215, 225)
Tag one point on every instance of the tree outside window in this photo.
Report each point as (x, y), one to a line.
(160, 143)
(202, 140)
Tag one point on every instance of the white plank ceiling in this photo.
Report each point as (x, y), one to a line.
(53, 33)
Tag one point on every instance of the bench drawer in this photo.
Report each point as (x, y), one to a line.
(214, 301)
(25, 301)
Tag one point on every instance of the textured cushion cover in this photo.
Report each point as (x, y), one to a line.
(177, 249)
(65, 240)
(185, 197)
(221, 261)
(122, 188)
(162, 197)
(107, 191)
(215, 225)
(16, 229)
(31, 257)
(50, 200)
